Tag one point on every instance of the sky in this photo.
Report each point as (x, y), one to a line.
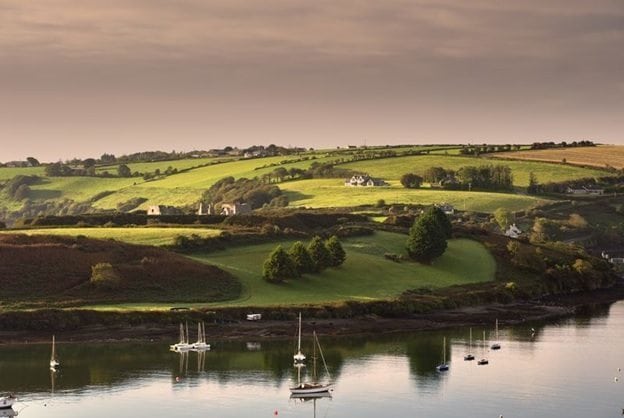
(82, 77)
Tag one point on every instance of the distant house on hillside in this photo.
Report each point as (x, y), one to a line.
(513, 231)
(205, 210)
(156, 210)
(446, 208)
(585, 190)
(364, 180)
(229, 209)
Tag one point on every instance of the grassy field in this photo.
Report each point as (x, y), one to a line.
(366, 275)
(7, 173)
(600, 156)
(394, 168)
(140, 235)
(333, 193)
(150, 167)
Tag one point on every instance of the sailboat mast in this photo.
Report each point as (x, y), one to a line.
(181, 333)
(187, 333)
(496, 329)
(53, 349)
(299, 339)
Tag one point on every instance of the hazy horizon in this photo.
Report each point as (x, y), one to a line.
(80, 78)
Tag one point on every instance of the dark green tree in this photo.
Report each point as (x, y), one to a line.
(336, 252)
(426, 239)
(33, 161)
(319, 253)
(279, 266)
(533, 187)
(443, 221)
(301, 257)
(124, 171)
(411, 181)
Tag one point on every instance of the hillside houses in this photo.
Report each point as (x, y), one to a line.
(364, 180)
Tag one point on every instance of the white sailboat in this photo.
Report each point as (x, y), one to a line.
(443, 367)
(496, 345)
(7, 401)
(54, 363)
(183, 345)
(299, 357)
(469, 356)
(484, 360)
(200, 344)
(313, 388)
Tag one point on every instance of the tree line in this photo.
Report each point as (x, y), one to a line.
(319, 255)
(485, 177)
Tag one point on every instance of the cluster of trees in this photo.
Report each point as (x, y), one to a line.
(485, 149)
(315, 171)
(299, 259)
(18, 188)
(486, 177)
(251, 191)
(428, 235)
(562, 144)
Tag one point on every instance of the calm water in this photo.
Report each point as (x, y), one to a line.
(567, 369)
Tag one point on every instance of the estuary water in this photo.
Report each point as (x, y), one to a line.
(567, 368)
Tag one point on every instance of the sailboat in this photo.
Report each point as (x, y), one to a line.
(201, 344)
(443, 367)
(469, 356)
(183, 345)
(7, 401)
(496, 345)
(313, 388)
(484, 360)
(299, 357)
(54, 363)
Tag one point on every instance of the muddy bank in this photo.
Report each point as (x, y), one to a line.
(507, 314)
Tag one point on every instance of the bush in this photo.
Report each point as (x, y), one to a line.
(301, 258)
(103, 275)
(319, 254)
(336, 252)
(279, 266)
(426, 239)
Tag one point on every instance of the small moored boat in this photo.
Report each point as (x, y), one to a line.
(304, 389)
(7, 401)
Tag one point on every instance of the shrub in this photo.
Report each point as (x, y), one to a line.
(301, 257)
(426, 239)
(103, 275)
(336, 252)
(279, 266)
(319, 253)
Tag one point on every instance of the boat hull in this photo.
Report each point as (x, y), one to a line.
(308, 389)
(6, 402)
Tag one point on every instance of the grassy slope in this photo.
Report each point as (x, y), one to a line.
(366, 275)
(7, 173)
(600, 156)
(144, 236)
(150, 167)
(333, 193)
(394, 168)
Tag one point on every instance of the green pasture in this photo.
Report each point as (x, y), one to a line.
(394, 168)
(366, 275)
(318, 193)
(150, 167)
(7, 173)
(156, 236)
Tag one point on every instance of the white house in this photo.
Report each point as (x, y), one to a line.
(156, 210)
(229, 209)
(254, 317)
(364, 180)
(513, 231)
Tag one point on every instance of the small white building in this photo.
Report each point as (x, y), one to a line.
(513, 231)
(229, 209)
(156, 210)
(589, 190)
(364, 180)
(254, 317)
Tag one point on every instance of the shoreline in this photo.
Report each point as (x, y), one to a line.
(549, 308)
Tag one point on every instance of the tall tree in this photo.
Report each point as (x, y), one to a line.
(279, 266)
(319, 253)
(301, 257)
(411, 181)
(443, 221)
(336, 252)
(426, 239)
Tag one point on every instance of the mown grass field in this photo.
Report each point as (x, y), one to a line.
(394, 168)
(600, 156)
(332, 193)
(156, 236)
(7, 173)
(366, 275)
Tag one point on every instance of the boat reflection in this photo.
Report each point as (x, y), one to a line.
(311, 397)
(10, 412)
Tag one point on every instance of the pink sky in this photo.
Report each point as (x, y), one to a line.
(84, 77)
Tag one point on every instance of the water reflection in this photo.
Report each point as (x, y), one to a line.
(542, 367)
